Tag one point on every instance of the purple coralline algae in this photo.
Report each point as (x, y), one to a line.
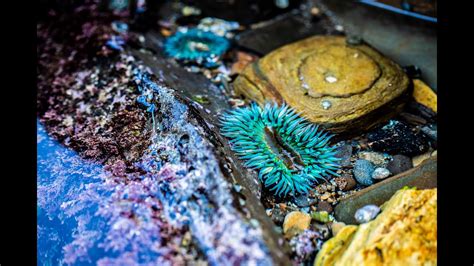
(192, 188)
(305, 245)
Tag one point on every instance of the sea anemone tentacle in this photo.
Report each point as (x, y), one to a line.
(289, 153)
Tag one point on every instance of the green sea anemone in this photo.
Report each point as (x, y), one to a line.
(193, 45)
(289, 153)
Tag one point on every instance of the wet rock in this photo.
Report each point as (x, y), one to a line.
(398, 138)
(295, 222)
(345, 182)
(357, 81)
(399, 164)
(376, 158)
(425, 95)
(405, 233)
(268, 38)
(305, 201)
(324, 206)
(363, 170)
(366, 213)
(380, 173)
(344, 152)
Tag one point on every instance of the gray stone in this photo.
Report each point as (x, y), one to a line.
(363, 170)
(380, 173)
(399, 164)
(305, 201)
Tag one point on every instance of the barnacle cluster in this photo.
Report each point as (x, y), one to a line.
(289, 152)
(197, 46)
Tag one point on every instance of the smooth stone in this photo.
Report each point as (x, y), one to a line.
(296, 221)
(363, 170)
(398, 138)
(423, 176)
(345, 182)
(399, 164)
(380, 173)
(362, 85)
(366, 213)
(404, 233)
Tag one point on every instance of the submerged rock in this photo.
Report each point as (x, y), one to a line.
(363, 170)
(366, 213)
(405, 233)
(380, 173)
(343, 87)
(345, 182)
(399, 164)
(398, 138)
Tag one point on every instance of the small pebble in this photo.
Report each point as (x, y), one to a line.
(366, 213)
(305, 201)
(296, 221)
(345, 182)
(380, 173)
(363, 170)
(399, 164)
(324, 206)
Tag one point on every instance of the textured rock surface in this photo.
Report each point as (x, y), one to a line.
(425, 95)
(338, 85)
(296, 222)
(405, 233)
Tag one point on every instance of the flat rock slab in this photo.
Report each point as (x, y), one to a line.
(283, 30)
(422, 177)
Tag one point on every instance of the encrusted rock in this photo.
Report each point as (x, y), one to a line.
(425, 95)
(363, 170)
(296, 222)
(340, 86)
(345, 182)
(399, 138)
(405, 233)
